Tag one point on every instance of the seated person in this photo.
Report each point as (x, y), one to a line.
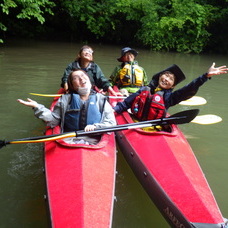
(84, 61)
(80, 109)
(152, 102)
(128, 76)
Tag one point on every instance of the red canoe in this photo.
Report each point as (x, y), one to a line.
(168, 170)
(80, 182)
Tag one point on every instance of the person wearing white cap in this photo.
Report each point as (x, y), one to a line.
(128, 76)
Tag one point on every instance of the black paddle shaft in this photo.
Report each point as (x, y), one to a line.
(178, 118)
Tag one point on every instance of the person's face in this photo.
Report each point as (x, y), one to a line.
(166, 81)
(87, 53)
(128, 57)
(80, 79)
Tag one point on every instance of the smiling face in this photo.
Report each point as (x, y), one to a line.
(166, 80)
(128, 57)
(79, 79)
(86, 54)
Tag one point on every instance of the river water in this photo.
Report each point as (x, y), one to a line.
(28, 66)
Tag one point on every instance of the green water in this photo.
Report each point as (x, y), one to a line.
(37, 67)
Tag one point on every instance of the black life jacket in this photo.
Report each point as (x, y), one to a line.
(147, 106)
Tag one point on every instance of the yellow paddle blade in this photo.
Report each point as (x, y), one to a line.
(46, 95)
(195, 100)
(59, 95)
(65, 135)
(207, 119)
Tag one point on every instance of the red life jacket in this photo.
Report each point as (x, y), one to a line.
(149, 106)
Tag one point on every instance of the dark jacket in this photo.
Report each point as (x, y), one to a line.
(95, 73)
(171, 97)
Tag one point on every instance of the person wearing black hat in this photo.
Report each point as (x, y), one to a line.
(153, 101)
(128, 76)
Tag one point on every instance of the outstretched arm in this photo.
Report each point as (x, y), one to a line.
(216, 70)
(52, 119)
(191, 89)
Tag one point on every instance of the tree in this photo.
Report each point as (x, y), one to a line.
(24, 9)
(170, 25)
(178, 25)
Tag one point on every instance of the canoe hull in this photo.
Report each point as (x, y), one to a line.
(80, 182)
(167, 168)
(151, 185)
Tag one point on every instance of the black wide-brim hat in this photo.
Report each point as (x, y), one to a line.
(179, 75)
(125, 50)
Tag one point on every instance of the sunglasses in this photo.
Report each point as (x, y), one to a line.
(88, 50)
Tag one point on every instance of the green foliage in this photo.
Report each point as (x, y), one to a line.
(97, 15)
(177, 25)
(26, 9)
(218, 27)
(6, 5)
(171, 25)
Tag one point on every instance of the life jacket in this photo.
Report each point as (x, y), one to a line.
(131, 75)
(79, 115)
(147, 106)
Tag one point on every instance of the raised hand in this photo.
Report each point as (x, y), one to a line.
(216, 70)
(29, 102)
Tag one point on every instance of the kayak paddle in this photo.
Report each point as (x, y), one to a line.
(178, 118)
(59, 95)
(195, 100)
(207, 119)
(47, 95)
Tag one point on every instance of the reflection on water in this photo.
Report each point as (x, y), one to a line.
(38, 67)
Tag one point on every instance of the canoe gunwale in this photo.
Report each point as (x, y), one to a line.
(101, 144)
(129, 120)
